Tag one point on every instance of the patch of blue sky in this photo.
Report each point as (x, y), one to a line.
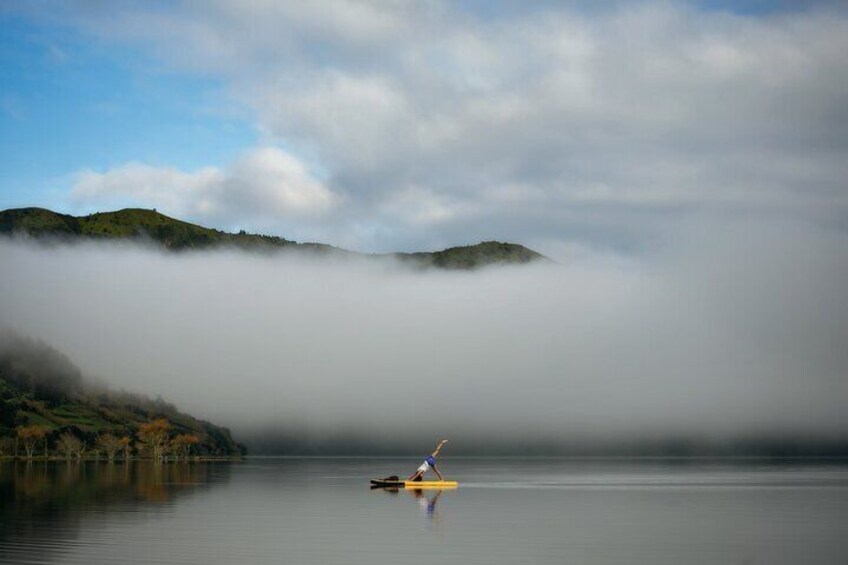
(69, 103)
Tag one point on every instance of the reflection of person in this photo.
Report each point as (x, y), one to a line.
(429, 463)
(431, 504)
(427, 504)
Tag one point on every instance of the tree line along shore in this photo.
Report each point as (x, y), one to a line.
(154, 440)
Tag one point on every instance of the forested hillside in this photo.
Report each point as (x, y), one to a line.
(47, 407)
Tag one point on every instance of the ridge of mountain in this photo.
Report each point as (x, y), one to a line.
(144, 225)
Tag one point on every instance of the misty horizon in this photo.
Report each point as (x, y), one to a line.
(728, 330)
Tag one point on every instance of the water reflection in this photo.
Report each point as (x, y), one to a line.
(43, 503)
(314, 511)
(427, 503)
(427, 500)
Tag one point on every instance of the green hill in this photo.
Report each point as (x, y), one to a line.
(40, 387)
(151, 226)
(131, 223)
(472, 256)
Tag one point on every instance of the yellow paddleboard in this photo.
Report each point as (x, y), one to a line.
(430, 484)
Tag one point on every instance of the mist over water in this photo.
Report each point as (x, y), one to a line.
(724, 329)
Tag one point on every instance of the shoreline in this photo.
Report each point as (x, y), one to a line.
(51, 459)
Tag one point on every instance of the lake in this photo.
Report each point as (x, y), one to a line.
(321, 510)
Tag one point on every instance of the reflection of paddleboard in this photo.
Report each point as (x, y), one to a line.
(391, 482)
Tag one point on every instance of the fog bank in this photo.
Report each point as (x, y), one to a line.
(726, 329)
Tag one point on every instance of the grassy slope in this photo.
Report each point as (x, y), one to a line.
(133, 223)
(471, 256)
(38, 222)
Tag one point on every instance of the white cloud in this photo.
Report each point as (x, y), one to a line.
(421, 207)
(265, 185)
(269, 179)
(653, 108)
(171, 188)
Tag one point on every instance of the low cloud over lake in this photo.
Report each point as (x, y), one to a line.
(724, 329)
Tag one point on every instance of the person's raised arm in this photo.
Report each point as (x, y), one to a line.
(439, 447)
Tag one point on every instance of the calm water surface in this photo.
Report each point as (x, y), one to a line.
(505, 511)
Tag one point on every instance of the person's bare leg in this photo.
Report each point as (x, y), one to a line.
(435, 470)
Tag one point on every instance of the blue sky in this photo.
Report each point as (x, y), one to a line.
(70, 102)
(420, 125)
